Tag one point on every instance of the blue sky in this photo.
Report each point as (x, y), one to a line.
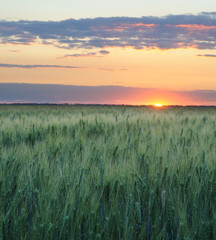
(64, 9)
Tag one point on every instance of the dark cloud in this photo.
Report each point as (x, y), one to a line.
(172, 31)
(201, 95)
(3, 65)
(207, 55)
(104, 52)
(45, 93)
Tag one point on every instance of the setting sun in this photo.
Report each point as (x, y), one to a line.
(158, 105)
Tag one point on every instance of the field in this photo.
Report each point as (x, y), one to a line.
(107, 172)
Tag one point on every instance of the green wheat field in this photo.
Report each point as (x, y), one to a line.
(107, 172)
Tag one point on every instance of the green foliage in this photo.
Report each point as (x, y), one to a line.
(107, 172)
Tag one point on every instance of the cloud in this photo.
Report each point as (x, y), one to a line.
(168, 32)
(14, 51)
(89, 54)
(207, 55)
(51, 93)
(4, 65)
(107, 69)
(104, 52)
(112, 69)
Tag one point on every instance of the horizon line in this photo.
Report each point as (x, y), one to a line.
(102, 104)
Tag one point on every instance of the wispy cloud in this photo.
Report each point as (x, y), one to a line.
(169, 32)
(4, 65)
(107, 69)
(14, 51)
(113, 69)
(89, 54)
(207, 55)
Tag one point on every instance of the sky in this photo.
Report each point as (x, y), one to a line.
(112, 52)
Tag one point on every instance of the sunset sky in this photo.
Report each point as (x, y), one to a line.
(113, 52)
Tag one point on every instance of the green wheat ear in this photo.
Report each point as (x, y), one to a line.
(101, 173)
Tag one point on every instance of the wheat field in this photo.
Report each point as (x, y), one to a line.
(107, 172)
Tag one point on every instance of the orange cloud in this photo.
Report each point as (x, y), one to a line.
(195, 27)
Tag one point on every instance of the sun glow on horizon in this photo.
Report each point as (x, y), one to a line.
(158, 105)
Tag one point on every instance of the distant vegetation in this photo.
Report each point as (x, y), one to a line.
(107, 172)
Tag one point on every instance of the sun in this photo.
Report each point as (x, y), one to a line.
(158, 105)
